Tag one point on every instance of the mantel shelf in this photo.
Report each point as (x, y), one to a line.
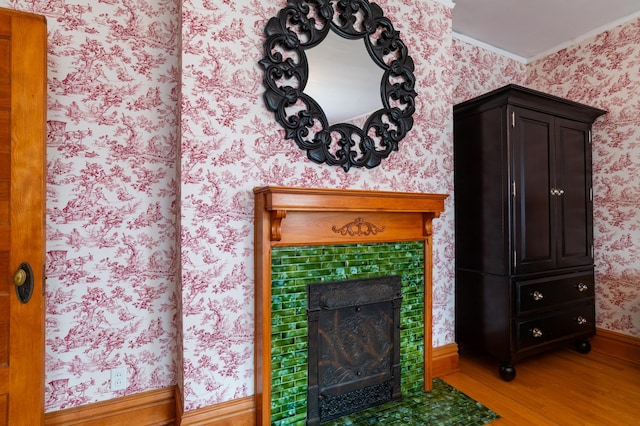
(302, 199)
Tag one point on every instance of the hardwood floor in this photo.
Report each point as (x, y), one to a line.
(557, 388)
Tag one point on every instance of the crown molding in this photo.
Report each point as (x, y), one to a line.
(489, 47)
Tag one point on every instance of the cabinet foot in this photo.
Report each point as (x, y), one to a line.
(507, 372)
(583, 346)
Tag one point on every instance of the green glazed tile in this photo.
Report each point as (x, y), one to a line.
(293, 269)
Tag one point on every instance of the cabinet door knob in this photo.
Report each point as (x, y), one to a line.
(536, 332)
(582, 287)
(581, 320)
(537, 296)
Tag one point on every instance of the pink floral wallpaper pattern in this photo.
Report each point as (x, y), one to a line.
(231, 143)
(150, 258)
(157, 136)
(477, 70)
(112, 184)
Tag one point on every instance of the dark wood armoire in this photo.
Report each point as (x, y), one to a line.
(523, 224)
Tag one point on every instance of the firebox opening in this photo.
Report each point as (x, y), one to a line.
(354, 346)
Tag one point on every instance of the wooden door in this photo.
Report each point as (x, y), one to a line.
(22, 204)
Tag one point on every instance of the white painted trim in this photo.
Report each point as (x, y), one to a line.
(585, 36)
(488, 47)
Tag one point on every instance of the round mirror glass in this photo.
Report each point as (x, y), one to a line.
(347, 92)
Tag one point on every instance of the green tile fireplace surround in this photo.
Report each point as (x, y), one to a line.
(305, 236)
(293, 268)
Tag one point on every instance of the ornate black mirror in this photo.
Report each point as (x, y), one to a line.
(304, 24)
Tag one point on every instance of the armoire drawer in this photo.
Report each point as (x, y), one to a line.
(577, 320)
(543, 293)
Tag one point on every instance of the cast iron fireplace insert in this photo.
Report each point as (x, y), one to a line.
(354, 346)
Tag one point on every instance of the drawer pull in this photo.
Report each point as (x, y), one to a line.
(536, 332)
(582, 287)
(536, 295)
(581, 320)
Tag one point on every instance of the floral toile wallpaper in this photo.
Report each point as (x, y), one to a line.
(231, 144)
(112, 183)
(477, 70)
(157, 136)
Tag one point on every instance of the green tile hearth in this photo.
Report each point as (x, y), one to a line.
(442, 406)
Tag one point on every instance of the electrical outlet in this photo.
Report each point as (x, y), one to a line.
(118, 378)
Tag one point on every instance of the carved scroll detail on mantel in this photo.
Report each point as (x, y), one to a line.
(359, 227)
(428, 224)
(276, 224)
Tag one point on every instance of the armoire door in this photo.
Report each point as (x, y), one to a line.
(575, 194)
(533, 178)
(23, 50)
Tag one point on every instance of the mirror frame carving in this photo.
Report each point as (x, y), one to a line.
(303, 24)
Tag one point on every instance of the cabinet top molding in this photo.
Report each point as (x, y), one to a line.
(515, 95)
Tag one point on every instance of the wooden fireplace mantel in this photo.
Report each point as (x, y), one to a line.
(304, 216)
